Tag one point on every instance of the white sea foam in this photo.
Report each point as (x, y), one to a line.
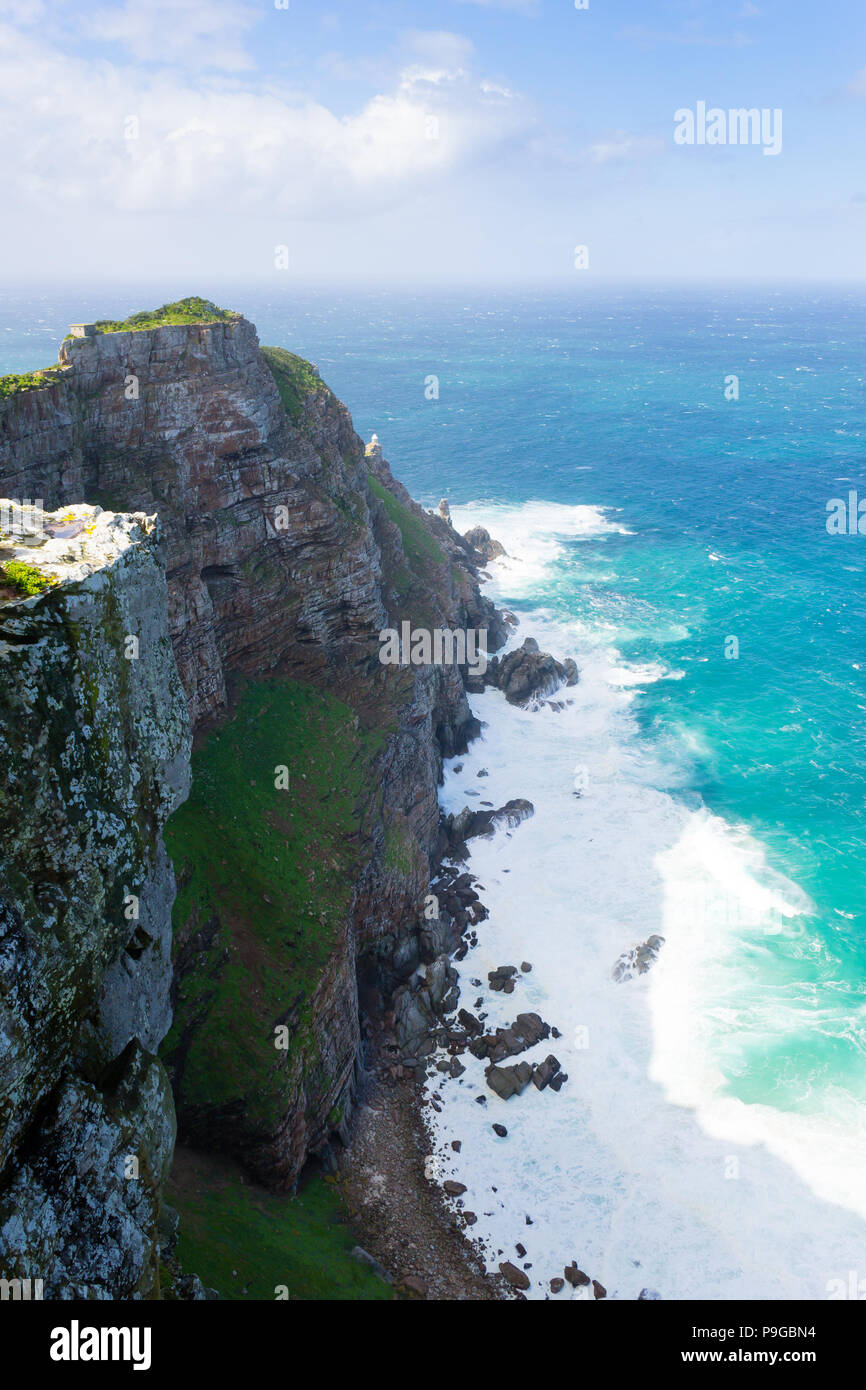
(643, 1168)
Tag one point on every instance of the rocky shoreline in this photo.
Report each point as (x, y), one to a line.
(414, 1225)
(405, 1220)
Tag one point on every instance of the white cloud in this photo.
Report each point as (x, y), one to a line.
(224, 144)
(203, 33)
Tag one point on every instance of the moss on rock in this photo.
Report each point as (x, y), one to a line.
(191, 310)
(296, 379)
(248, 1243)
(266, 852)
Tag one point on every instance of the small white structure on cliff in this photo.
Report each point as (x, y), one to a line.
(82, 330)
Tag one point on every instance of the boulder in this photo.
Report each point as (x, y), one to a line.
(514, 1276)
(419, 1004)
(544, 1072)
(509, 1081)
(525, 1032)
(526, 675)
(468, 824)
(483, 544)
(638, 960)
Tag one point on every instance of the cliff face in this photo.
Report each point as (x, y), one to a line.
(94, 757)
(287, 549)
(264, 570)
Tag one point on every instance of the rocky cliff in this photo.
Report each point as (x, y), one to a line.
(94, 757)
(304, 852)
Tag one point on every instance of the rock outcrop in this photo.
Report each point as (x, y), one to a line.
(484, 545)
(467, 824)
(639, 960)
(526, 675)
(94, 757)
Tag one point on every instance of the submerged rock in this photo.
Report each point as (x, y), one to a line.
(638, 960)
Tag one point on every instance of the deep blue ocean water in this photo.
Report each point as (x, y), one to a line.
(617, 401)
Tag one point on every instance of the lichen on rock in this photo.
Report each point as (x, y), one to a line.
(94, 756)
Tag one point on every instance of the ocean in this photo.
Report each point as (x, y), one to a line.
(665, 525)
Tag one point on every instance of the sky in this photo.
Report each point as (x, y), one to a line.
(379, 141)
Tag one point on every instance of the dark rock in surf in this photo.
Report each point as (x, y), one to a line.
(527, 675)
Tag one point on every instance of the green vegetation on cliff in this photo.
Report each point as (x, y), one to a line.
(246, 1242)
(25, 578)
(420, 577)
(265, 877)
(14, 383)
(181, 311)
(418, 544)
(295, 377)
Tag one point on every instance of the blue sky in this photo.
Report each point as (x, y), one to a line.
(451, 141)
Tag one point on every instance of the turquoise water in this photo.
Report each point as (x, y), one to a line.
(618, 402)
